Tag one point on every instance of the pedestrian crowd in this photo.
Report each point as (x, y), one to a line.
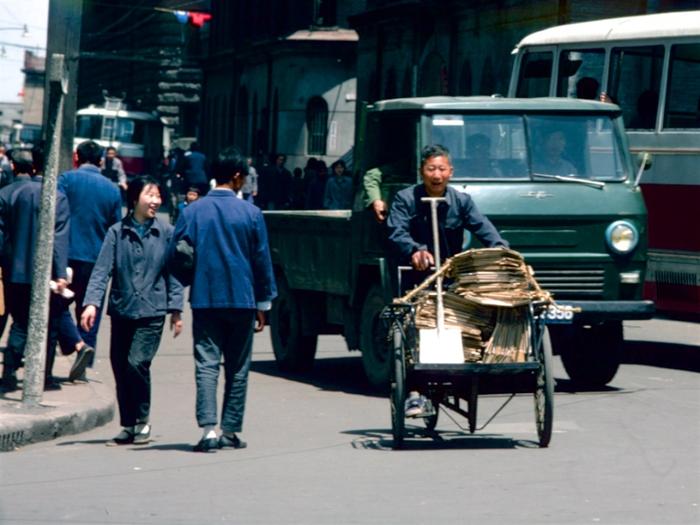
(270, 186)
(218, 247)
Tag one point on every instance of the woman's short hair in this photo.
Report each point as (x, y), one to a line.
(136, 186)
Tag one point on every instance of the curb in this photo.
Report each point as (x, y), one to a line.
(21, 426)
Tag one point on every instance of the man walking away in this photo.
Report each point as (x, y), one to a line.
(19, 227)
(195, 169)
(95, 204)
(232, 284)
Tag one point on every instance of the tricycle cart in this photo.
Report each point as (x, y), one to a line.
(458, 386)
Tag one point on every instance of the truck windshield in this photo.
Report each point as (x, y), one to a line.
(501, 147)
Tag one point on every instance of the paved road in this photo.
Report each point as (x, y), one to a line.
(319, 452)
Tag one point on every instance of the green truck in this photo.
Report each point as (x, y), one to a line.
(554, 175)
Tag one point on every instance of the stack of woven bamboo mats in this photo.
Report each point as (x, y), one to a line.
(487, 299)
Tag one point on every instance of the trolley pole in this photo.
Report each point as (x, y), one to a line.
(35, 349)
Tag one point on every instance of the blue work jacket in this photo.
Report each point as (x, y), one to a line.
(19, 227)
(141, 284)
(95, 204)
(232, 264)
(410, 224)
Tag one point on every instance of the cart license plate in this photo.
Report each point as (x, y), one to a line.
(555, 315)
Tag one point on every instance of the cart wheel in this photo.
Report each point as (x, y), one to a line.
(472, 404)
(398, 389)
(544, 392)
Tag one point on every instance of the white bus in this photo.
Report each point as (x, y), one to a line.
(650, 66)
(139, 137)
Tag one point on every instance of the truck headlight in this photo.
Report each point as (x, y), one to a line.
(622, 237)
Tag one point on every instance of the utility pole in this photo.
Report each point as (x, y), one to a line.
(34, 351)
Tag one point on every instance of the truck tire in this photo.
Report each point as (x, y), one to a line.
(293, 350)
(376, 351)
(591, 355)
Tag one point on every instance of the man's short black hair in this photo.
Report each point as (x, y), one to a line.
(228, 163)
(433, 150)
(136, 186)
(89, 151)
(22, 161)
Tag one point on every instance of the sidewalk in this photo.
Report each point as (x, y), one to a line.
(75, 408)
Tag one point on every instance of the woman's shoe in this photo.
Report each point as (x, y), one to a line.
(143, 436)
(125, 437)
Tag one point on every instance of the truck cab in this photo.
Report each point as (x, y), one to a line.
(553, 175)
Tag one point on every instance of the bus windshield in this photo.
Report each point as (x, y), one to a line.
(514, 146)
(98, 127)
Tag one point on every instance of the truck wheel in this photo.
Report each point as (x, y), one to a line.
(592, 355)
(293, 350)
(376, 352)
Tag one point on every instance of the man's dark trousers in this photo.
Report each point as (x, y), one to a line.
(218, 332)
(18, 304)
(133, 345)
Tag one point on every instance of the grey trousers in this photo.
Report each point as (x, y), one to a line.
(222, 333)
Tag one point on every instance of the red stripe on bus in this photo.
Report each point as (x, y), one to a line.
(134, 165)
(673, 297)
(674, 216)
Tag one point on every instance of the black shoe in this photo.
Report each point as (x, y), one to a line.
(51, 385)
(206, 445)
(9, 384)
(125, 437)
(234, 442)
(77, 371)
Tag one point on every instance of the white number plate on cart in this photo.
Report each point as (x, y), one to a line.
(556, 315)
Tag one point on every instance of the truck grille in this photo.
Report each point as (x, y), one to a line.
(572, 283)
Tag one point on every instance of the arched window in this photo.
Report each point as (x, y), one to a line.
(465, 81)
(390, 86)
(433, 76)
(243, 115)
(316, 126)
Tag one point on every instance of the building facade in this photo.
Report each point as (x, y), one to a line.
(281, 79)
(143, 53)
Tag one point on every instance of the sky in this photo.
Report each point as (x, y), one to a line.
(13, 15)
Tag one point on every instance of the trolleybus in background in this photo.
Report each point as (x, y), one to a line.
(139, 137)
(650, 66)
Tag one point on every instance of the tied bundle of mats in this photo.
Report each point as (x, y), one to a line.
(487, 301)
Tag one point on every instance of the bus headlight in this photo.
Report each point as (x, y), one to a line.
(622, 237)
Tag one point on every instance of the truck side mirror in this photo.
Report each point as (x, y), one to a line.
(645, 162)
(644, 158)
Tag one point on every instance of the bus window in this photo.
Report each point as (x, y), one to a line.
(635, 78)
(535, 74)
(88, 126)
(129, 130)
(580, 73)
(683, 94)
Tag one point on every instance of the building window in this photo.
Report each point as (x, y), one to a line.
(317, 126)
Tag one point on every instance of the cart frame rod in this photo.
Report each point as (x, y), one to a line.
(452, 406)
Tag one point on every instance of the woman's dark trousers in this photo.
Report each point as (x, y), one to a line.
(134, 343)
